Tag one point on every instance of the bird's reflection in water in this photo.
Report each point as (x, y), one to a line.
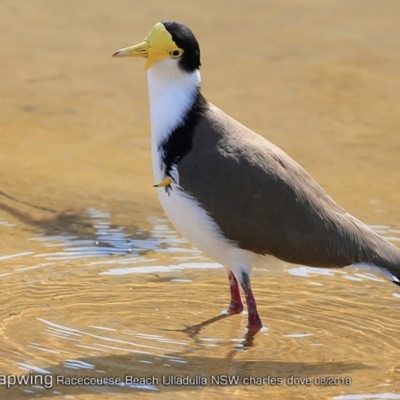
(193, 330)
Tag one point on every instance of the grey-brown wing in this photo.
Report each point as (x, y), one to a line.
(265, 202)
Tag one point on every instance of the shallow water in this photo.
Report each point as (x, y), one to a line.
(96, 284)
(105, 304)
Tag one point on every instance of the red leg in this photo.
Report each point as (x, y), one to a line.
(255, 323)
(236, 305)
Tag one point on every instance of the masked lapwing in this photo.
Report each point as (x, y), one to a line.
(232, 193)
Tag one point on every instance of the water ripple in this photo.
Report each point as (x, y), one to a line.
(111, 241)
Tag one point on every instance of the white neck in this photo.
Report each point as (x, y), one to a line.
(171, 94)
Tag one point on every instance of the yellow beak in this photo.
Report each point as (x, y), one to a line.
(139, 50)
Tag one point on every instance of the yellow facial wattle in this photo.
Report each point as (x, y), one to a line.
(157, 46)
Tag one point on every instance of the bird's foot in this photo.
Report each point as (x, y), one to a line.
(235, 307)
(254, 324)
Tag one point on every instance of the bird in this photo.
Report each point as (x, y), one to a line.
(236, 196)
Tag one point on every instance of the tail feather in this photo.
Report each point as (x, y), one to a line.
(387, 257)
(373, 251)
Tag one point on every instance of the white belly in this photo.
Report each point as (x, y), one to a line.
(193, 222)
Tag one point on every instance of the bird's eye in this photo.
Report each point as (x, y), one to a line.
(176, 53)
